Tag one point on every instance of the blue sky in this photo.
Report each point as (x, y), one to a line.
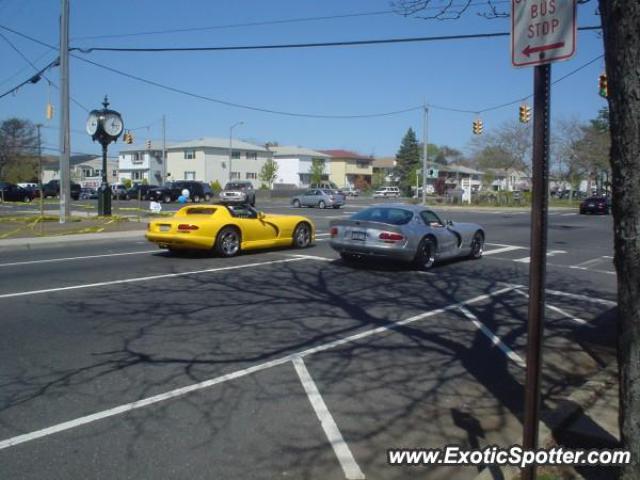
(463, 74)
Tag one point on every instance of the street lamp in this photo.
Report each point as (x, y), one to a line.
(105, 126)
(231, 145)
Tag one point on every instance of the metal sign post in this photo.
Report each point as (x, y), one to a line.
(538, 264)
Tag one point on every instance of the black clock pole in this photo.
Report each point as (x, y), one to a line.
(104, 192)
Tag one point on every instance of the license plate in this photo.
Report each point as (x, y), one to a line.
(165, 228)
(591, 205)
(359, 236)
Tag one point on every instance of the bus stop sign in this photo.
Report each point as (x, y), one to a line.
(542, 31)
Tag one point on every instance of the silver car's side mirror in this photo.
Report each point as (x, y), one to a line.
(449, 223)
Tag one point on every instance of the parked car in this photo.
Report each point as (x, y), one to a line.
(241, 192)
(229, 229)
(139, 191)
(593, 205)
(351, 192)
(10, 192)
(88, 193)
(410, 233)
(52, 189)
(32, 187)
(198, 191)
(118, 191)
(321, 198)
(386, 192)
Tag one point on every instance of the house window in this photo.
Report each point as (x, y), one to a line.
(251, 176)
(114, 173)
(189, 175)
(189, 155)
(251, 155)
(235, 154)
(136, 175)
(362, 164)
(136, 157)
(235, 176)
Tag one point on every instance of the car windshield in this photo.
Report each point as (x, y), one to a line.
(235, 186)
(391, 216)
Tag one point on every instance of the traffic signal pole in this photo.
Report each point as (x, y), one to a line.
(425, 146)
(538, 264)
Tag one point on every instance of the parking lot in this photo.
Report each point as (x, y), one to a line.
(118, 360)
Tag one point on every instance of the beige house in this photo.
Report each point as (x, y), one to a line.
(348, 168)
(210, 159)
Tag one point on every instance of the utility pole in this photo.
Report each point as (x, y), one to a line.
(164, 150)
(65, 140)
(425, 139)
(38, 126)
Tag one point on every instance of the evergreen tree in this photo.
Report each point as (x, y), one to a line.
(408, 160)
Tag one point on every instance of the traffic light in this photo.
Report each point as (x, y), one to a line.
(603, 89)
(49, 111)
(477, 127)
(525, 113)
(148, 144)
(128, 137)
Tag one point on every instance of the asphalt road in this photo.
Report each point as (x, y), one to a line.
(118, 360)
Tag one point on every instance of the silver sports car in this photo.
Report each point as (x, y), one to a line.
(412, 233)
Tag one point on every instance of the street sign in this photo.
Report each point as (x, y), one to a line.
(542, 31)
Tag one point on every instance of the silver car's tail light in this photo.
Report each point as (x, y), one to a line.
(333, 231)
(390, 237)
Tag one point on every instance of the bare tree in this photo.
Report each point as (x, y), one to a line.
(620, 20)
(508, 147)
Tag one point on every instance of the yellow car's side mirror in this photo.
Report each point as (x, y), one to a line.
(261, 215)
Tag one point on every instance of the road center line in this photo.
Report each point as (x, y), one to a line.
(146, 279)
(64, 259)
(492, 336)
(345, 457)
(27, 437)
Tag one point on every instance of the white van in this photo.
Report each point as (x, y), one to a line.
(385, 192)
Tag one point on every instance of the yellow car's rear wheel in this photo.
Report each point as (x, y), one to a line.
(302, 235)
(228, 242)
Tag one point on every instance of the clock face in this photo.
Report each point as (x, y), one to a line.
(92, 124)
(113, 125)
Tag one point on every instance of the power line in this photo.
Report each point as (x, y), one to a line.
(34, 79)
(267, 22)
(351, 43)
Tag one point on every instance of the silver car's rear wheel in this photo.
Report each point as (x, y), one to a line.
(321, 204)
(426, 254)
(302, 236)
(477, 245)
(296, 203)
(228, 242)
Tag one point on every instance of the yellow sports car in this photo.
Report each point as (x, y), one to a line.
(228, 229)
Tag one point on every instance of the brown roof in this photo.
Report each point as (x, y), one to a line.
(346, 154)
(384, 162)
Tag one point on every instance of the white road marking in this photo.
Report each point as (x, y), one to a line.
(550, 253)
(559, 310)
(145, 279)
(587, 265)
(584, 298)
(494, 339)
(508, 248)
(27, 437)
(345, 457)
(310, 257)
(50, 260)
(568, 214)
(324, 234)
(502, 245)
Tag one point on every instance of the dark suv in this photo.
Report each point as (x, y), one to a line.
(241, 192)
(596, 205)
(13, 193)
(144, 192)
(198, 191)
(52, 189)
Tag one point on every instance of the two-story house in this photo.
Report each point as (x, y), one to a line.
(139, 163)
(294, 165)
(211, 159)
(349, 169)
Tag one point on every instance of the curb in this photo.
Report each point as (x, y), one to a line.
(28, 242)
(559, 418)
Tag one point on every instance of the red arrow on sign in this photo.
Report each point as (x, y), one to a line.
(529, 50)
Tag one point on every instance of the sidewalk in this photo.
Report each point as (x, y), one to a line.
(588, 418)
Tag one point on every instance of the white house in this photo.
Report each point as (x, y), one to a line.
(139, 163)
(509, 179)
(89, 173)
(294, 164)
(210, 159)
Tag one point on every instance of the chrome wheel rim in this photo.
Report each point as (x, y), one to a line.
(478, 246)
(427, 255)
(230, 243)
(303, 236)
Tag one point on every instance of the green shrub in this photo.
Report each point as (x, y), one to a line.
(215, 187)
